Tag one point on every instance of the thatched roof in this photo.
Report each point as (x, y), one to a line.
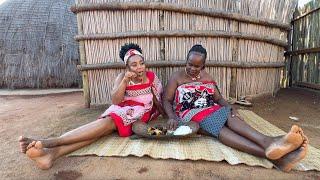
(37, 48)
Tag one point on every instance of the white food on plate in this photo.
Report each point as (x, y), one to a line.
(182, 130)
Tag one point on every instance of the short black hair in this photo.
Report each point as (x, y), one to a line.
(199, 49)
(126, 47)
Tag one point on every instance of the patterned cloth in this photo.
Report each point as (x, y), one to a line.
(215, 122)
(137, 105)
(195, 102)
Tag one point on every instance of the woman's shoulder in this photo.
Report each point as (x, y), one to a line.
(207, 77)
(177, 74)
(151, 73)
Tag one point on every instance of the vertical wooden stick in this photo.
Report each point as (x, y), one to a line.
(83, 60)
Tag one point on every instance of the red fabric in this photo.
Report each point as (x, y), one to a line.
(130, 103)
(193, 113)
(200, 88)
(203, 114)
(150, 75)
(124, 131)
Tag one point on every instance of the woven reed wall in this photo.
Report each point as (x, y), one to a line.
(37, 46)
(305, 59)
(245, 40)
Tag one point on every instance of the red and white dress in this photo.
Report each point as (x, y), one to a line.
(137, 105)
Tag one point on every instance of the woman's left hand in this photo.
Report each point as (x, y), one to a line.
(234, 113)
(172, 124)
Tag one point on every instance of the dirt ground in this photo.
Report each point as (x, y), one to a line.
(51, 115)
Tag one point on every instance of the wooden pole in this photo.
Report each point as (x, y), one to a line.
(305, 14)
(303, 51)
(162, 42)
(290, 57)
(181, 33)
(83, 60)
(161, 39)
(308, 85)
(159, 64)
(235, 56)
(177, 8)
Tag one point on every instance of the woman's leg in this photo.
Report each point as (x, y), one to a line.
(44, 157)
(285, 163)
(274, 147)
(232, 139)
(45, 152)
(86, 132)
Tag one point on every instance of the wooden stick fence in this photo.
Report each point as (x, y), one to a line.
(245, 48)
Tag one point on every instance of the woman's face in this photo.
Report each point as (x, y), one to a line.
(136, 64)
(195, 64)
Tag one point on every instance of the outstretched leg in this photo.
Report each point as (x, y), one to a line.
(44, 157)
(86, 132)
(234, 140)
(289, 161)
(285, 163)
(24, 143)
(275, 147)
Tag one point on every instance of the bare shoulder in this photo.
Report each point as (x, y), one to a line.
(207, 76)
(175, 76)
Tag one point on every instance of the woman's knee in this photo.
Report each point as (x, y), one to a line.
(139, 126)
(107, 122)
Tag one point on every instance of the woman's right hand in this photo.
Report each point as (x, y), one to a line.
(172, 123)
(129, 75)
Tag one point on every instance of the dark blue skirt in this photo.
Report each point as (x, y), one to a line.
(215, 121)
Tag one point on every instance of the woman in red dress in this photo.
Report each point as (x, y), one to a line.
(135, 97)
(192, 95)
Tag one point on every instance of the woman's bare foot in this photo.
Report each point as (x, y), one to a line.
(287, 162)
(43, 157)
(286, 144)
(24, 143)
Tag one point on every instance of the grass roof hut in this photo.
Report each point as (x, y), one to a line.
(37, 46)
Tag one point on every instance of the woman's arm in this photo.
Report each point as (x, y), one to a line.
(219, 99)
(119, 88)
(222, 102)
(216, 96)
(168, 98)
(158, 105)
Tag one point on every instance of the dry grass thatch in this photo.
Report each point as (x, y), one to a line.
(37, 49)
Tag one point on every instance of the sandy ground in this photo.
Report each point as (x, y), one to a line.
(51, 115)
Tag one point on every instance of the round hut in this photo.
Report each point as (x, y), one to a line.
(37, 46)
(245, 40)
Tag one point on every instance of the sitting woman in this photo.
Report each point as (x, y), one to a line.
(192, 95)
(135, 97)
